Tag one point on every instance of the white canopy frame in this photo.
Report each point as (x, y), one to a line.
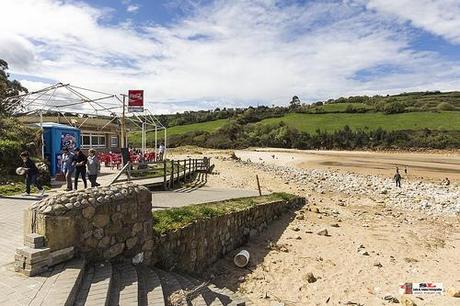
(66, 98)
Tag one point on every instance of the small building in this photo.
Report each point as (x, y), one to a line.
(56, 137)
(96, 133)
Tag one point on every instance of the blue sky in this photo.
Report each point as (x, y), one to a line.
(200, 54)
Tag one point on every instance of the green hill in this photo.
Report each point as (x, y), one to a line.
(370, 121)
(407, 120)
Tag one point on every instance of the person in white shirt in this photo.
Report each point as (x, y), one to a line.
(161, 152)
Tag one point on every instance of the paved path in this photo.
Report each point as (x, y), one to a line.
(15, 288)
(187, 196)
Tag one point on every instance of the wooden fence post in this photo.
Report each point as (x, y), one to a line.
(178, 171)
(189, 168)
(258, 185)
(185, 169)
(171, 179)
(165, 179)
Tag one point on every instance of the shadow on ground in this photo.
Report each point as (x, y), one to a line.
(224, 273)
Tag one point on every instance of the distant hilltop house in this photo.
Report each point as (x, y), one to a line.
(98, 133)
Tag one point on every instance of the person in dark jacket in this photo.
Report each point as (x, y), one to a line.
(80, 167)
(31, 174)
(397, 178)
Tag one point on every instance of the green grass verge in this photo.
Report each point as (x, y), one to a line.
(405, 121)
(174, 218)
(17, 188)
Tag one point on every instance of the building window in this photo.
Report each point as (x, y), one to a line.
(114, 141)
(93, 141)
(85, 141)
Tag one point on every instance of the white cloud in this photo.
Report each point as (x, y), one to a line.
(441, 17)
(132, 8)
(224, 54)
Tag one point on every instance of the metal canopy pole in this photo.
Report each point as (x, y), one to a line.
(123, 128)
(143, 138)
(42, 136)
(164, 154)
(156, 143)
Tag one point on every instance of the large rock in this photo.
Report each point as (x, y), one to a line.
(453, 292)
(114, 250)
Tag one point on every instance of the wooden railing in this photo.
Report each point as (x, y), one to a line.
(166, 173)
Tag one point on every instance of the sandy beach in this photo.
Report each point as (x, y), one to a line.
(373, 243)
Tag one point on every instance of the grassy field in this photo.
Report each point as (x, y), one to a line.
(180, 129)
(406, 121)
(335, 121)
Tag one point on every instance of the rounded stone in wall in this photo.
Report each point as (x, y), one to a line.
(101, 220)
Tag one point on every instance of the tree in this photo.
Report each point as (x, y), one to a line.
(8, 88)
(295, 103)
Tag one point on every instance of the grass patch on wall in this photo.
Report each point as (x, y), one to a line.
(174, 218)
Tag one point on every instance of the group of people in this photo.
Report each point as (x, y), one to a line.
(397, 178)
(78, 164)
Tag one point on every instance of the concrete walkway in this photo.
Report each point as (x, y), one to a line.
(15, 288)
(187, 196)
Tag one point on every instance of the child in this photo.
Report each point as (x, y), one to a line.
(31, 174)
(93, 167)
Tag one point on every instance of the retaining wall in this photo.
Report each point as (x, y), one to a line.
(100, 223)
(194, 247)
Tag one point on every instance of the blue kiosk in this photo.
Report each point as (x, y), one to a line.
(57, 136)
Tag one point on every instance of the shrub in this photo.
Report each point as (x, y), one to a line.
(9, 152)
(445, 106)
(393, 108)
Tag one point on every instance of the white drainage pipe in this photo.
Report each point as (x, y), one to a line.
(241, 259)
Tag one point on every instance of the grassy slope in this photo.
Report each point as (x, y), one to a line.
(334, 121)
(181, 129)
(406, 121)
(170, 219)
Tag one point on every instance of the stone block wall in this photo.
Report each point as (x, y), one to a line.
(196, 246)
(102, 223)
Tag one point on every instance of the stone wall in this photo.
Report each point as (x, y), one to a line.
(103, 223)
(194, 247)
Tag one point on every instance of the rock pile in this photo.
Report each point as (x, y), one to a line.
(414, 195)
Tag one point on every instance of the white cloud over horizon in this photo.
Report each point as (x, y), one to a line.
(233, 53)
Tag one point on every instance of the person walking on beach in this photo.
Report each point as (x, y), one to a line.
(31, 174)
(93, 167)
(67, 167)
(397, 178)
(80, 167)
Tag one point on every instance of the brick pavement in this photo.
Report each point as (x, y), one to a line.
(15, 288)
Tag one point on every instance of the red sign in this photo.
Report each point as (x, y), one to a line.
(135, 101)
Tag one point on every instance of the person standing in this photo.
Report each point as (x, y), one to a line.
(80, 167)
(31, 174)
(93, 167)
(67, 167)
(161, 152)
(397, 178)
